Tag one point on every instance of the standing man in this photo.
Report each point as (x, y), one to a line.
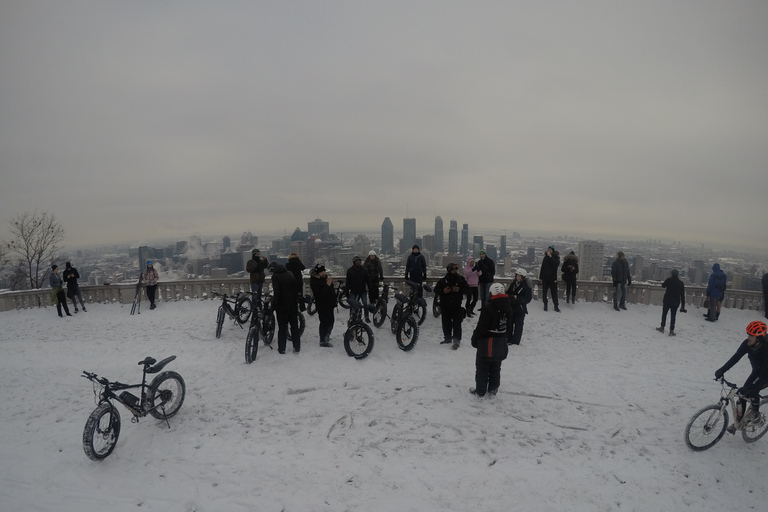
(375, 271)
(325, 300)
(452, 288)
(570, 269)
(256, 267)
(71, 275)
(358, 283)
(295, 266)
(57, 292)
(548, 276)
(151, 277)
(765, 293)
(486, 270)
(621, 279)
(285, 299)
(715, 292)
(673, 297)
(416, 268)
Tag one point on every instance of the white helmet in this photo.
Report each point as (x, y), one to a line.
(496, 289)
(371, 253)
(521, 272)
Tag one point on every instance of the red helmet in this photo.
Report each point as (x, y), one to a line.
(757, 328)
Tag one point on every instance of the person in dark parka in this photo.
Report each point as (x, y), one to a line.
(358, 283)
(570, 269)
(621, 279)
(70, 276)
(548, 276)
(295, 266)
(716, 287)
(486, 271)
(451, 289)
(285, 299)
(376, 272)
(673, 297)
(416, 268)
(765, 293)
(520, 294)
(490, 340)
(257, 273)
(324, 296)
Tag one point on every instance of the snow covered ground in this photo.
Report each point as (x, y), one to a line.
(590, 417)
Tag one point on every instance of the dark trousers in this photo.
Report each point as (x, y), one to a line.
(570, 290)
(61, 301)
(751, 389)
(151, 292)
(619, 300)
(471, 299)
(451, 323)
(285, 318)
(326, 324)
(373, 292)
(484, 289)
(673, 313)
(549, 286)
(487, 375)
(515, 328)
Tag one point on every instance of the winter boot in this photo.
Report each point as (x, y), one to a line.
(456, 344)
(660, 329)
(672, 333)
(545, 306)
(557, 308)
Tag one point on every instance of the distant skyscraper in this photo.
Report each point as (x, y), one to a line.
(409, 234)
(503, 247)
(387, 237)
(318, 227)
(453, 238)
(439, 234)
(477, 245)
(226, 243)
(591, 257)
(465, 239)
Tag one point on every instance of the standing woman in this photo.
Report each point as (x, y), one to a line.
(151, 277)
(520, 294)
(57, 292)
(325, 299)
(472, 277)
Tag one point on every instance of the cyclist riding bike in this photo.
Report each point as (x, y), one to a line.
(756, 348)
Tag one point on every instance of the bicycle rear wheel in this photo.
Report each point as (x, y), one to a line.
(302, 324)
(754, 431)
(436, 306)
(706, 428)
(166, 394)
(380, 314)
(219, 321)
(101, 432)
(407, 333)
(269, 328)
(395, 318)
(420, 312)
(252, 343)
(358, 341)
(244, 311)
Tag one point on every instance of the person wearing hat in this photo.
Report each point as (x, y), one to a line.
(256, 268)
(416, 268)
(57, 290)
(570, 269)
(358, 283)
(150, 277)
(70, 276)
(548, 276)
(372, 264)
(472, 278)
(520, 294)
(621, 279)
(295, 266)
(489, 338)
(486, 270)
(673, 297)
(285, 300)
(451, 289)
(324, 296)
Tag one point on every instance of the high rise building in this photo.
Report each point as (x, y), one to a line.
(591, 258)
(477, 245)
(427, 243)
(453, 238)
(503, 247)
(318, 227)
(226, 243)
(387, 237)
(409, 234)
(439, 247)
(465, 239)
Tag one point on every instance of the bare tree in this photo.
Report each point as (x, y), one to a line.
(35, 245)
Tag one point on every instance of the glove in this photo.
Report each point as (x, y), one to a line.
(719, 375)
(683, 310)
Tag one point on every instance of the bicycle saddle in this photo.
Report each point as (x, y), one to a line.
(402, 298)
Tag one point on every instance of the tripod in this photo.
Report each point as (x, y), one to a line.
(137, 297)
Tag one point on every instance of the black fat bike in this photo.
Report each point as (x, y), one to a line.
(358, 338)
(162, 399)
(238, 307)
(405, 320)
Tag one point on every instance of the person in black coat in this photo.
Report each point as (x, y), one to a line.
(621, 279)
(673, 297)
(486, 270)
(520, 294)
(416, 268)
(490, 340)
(570, 269)
(295, 266)
(285, 299)
(358, 283)
(451, 289)
(375, 270)
(257, 273)
(765, 293)
(548, 276)
(70, 276)
(325, 299)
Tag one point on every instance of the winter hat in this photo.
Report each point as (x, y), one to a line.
(551, 247)
(255, 251)
(149, 262)
(68, 265)
(415, 246)
(54, 267)
(620, 254)
(470, 258)
(371, 253)
(482, 251)
(293, 255)
(674, 272)
(272, 266)
(319, 268)
(451, 266)
(357, 258)
(572, 253)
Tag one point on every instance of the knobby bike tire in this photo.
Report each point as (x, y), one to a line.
(166, 394)
(752, 432)
(420, 312)
(268, 328)
(407, 333)
(311, 308)
(302, 325)
(397, 312)
(245, 307)
(101, 432)
(358, 341)
(706, 428)
(436, 307)
(380, 314)
(343, 301)
(252, 343)
(219, 321)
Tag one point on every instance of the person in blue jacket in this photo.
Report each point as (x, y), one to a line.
(715, 292)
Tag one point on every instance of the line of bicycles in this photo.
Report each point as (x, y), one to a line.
(408, 313)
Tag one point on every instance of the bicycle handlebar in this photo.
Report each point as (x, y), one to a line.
(104, 381)
(729, 384)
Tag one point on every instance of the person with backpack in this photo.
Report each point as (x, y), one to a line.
(472, 278)
(358, 283)
(375, 271)
(621, 279)
(57, 290)
(295, 267)
(416, 268)
(520, 294)
(486, 270)
(490, 340)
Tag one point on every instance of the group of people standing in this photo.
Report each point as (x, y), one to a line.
(70, 276)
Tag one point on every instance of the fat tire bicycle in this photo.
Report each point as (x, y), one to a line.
(404, 320)
(436, 306)
(709, 424)
(380, 312)
(161, 399)
(238, 307)
(358, 338)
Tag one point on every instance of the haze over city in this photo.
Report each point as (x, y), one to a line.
(139, 121)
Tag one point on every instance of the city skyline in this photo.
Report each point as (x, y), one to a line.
(140, 121)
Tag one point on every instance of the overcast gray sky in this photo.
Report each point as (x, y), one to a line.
(133, 120)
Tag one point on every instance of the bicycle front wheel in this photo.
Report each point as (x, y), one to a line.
(268, 328)
(166, 394)
(302, 323)
(380, 314)
(754, 431)
(358, 341)
(436, 307)
(420, 312)
(252, 343)
(395, 318)
(706, 428)
(407, 333)
(219, 321)
(244, 310)
(101, 432)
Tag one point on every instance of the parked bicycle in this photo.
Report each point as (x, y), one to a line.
(710, 423)
(238, 307)
(436, 306)
(380, 313)
(404, 319)
(162, 399)
(358, 338)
